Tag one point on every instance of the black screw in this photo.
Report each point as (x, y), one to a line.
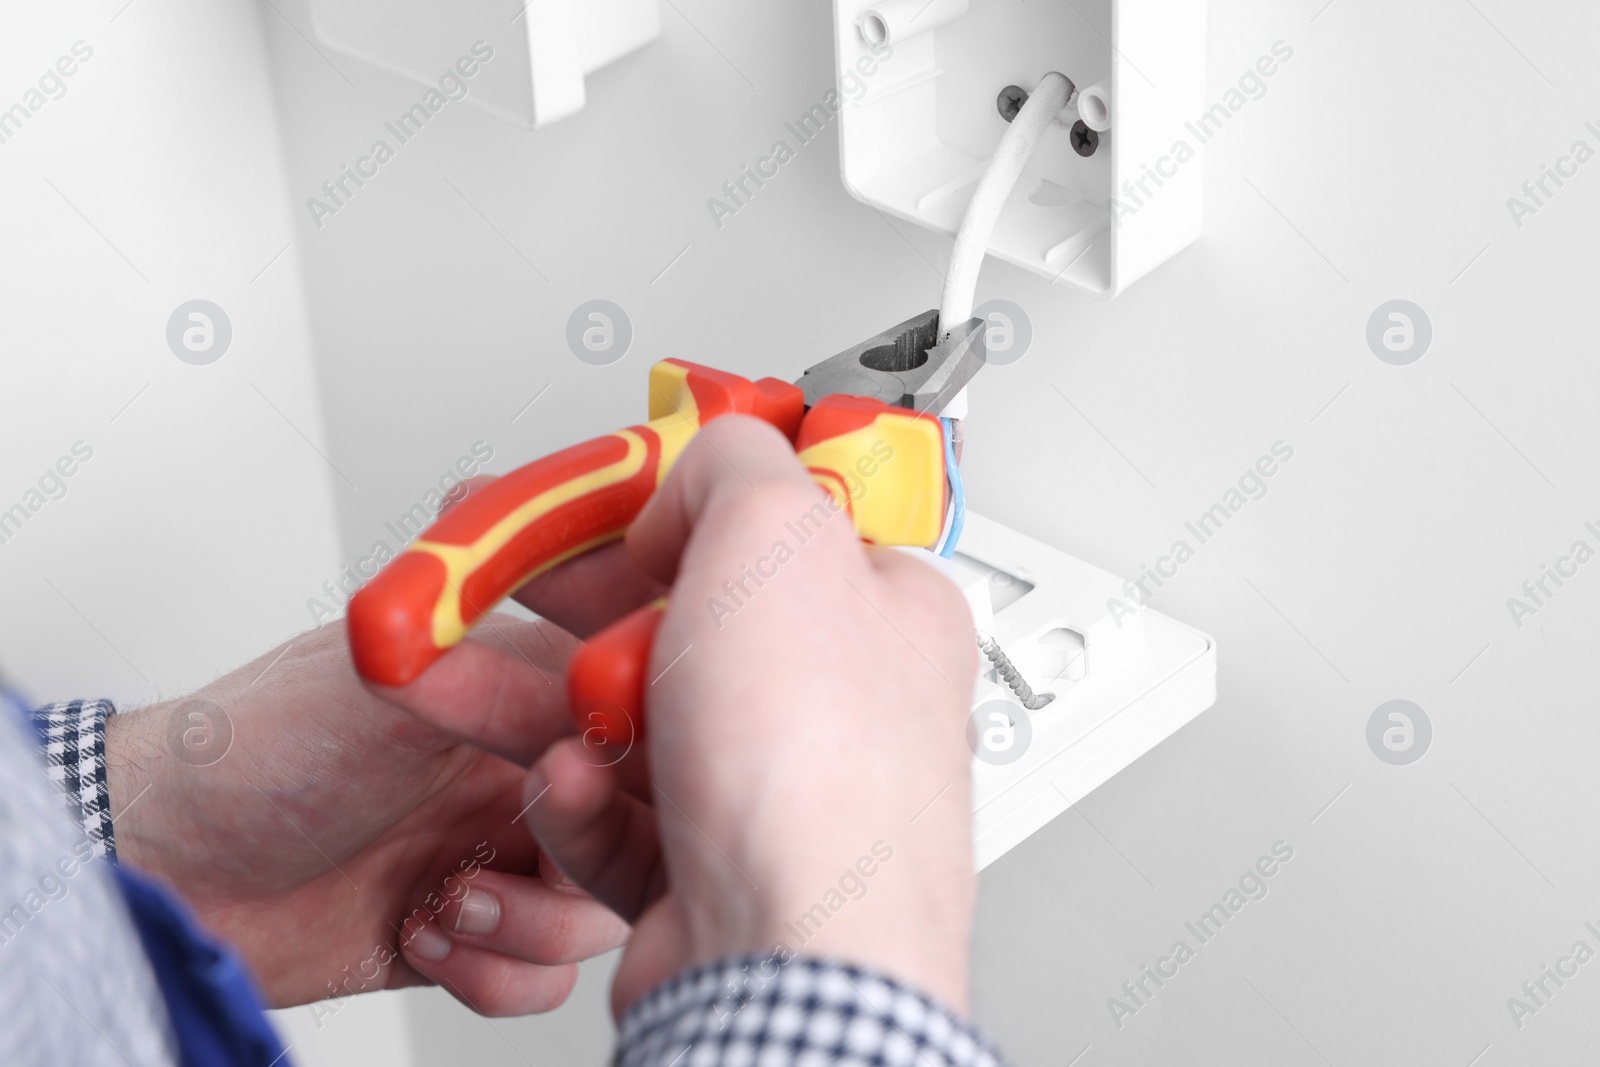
(1084, 140)
(1010, 101)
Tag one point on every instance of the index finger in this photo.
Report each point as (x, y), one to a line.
(501, 689)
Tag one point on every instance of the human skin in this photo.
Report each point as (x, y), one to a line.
(826, 715)
(337, 811)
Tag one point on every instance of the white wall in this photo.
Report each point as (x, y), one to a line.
(1378, 566)
(155, 179)
(1376, 166)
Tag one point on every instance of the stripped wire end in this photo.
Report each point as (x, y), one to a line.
(958, 494)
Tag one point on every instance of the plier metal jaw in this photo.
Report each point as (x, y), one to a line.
(907, 366)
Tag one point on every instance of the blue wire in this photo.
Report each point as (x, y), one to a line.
(958, 495)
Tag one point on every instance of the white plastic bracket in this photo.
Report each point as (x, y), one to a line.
(1123, 681)
(543, 48)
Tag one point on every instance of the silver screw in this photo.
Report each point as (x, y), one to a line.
(1010, 675)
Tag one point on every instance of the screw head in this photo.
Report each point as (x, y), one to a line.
(1010, 101)
(1084, 140)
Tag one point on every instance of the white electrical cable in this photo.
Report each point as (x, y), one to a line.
(994, 188)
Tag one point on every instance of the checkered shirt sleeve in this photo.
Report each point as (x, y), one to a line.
(754, 1010)
(73, 736)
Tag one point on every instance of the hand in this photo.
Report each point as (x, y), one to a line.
(806, 780)
(342, 844)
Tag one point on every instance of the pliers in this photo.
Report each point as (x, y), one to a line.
(885, 390)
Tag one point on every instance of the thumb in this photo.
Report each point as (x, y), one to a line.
(734, 457)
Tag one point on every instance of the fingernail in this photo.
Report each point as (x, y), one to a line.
(429, 943)
(479, 914)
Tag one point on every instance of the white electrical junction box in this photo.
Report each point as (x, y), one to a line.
(919, 81)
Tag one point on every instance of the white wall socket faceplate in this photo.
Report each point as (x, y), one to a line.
(542, 48)
(1123, 681)
(919, 80)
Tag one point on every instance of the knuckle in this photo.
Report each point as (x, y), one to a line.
(770, 504)
(523, 989)
(943, 601)
(554, 988)
(495, 1002)
(943, 610)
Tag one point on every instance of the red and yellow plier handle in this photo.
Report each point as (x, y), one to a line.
(520, 525)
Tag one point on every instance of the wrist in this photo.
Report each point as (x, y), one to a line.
(922, 950)
(792, 1007)
(891, 911)
(140, 787)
